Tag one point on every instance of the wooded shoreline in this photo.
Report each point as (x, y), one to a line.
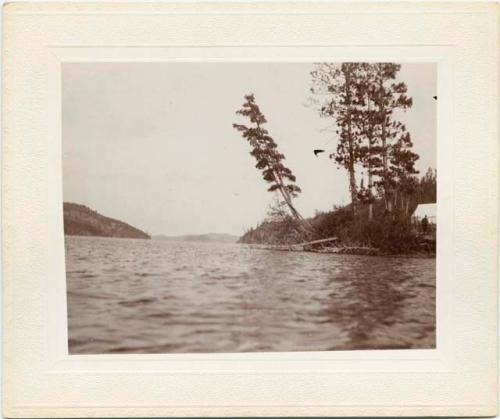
(373, 146)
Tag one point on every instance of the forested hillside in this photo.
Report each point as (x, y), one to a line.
(80, 220)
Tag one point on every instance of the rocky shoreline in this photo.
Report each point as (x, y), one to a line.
(347, 250)
(371, 251)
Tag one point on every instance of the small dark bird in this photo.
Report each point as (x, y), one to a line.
(435, 97)
(316, 152)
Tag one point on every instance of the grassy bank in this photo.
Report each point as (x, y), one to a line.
(389, 233)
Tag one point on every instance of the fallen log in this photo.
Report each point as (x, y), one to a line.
(320, 241)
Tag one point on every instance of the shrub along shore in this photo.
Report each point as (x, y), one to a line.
(388, 233)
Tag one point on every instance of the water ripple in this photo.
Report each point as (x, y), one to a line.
(138, 296)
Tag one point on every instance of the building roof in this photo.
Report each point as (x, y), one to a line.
(426, 209)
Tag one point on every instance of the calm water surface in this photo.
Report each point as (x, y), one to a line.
(147, 296)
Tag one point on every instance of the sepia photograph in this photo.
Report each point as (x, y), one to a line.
(230, 207)
(250, 209)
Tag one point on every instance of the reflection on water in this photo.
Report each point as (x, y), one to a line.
(147, 296)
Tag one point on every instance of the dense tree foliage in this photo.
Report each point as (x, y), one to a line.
(265, 151)
(337, 97)
(394, 142)
(362, 98)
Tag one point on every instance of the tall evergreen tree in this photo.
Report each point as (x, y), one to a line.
(388, 95)
(269, 159)
(362, 99)
(369, 149)
(336, 89)
(402, 169)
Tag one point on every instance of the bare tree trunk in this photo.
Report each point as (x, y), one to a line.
(388, 203)
(306, 227)
(352, 175)
(370, 186)
(370, 177)
(352, 187)
(288, 202)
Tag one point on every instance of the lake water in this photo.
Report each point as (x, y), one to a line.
(152, 296)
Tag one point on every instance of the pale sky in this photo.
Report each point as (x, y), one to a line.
(152, 144)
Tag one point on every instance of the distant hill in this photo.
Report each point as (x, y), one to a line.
(210, 237)
(80, 220)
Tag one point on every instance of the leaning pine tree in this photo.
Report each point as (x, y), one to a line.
(269, 159)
